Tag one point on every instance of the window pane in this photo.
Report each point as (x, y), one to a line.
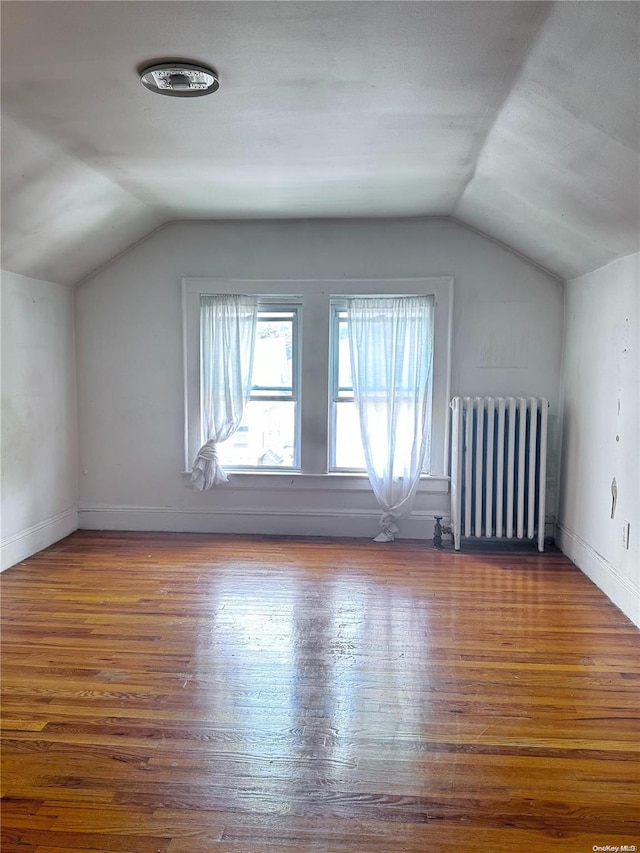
(265, 437)
(345, 382)
(273, 356)
(348, 445)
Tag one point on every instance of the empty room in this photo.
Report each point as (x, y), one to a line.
(320, 426)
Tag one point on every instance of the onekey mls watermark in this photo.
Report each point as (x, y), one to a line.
(615, 848)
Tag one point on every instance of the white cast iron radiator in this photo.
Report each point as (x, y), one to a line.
(498, 465)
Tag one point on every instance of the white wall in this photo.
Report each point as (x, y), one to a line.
(39, 435)
(602, 429)
(129, 356)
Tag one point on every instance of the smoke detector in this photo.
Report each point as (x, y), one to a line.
(180, 79)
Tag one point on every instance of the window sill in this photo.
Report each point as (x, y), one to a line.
(334, 481)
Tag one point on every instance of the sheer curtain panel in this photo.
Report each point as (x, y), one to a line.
(391, 345)
(227, 336)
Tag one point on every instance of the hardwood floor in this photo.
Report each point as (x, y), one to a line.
(187, 693)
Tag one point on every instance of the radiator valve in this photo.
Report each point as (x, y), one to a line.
(440, 530)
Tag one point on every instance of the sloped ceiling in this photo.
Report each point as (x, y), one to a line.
(519, 119)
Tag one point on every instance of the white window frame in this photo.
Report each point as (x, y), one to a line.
(271, 304)
(314, 298)
(338, 305)
(192, 291)
(275, 304)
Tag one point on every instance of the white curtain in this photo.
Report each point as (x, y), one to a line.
(391, 342)
(227, 336)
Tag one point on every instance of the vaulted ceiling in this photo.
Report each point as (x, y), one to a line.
(520, 119)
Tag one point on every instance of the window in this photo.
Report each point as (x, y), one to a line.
(301, 416)
(345, 444)
(268, 433)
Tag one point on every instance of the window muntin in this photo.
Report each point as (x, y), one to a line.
(267, 437)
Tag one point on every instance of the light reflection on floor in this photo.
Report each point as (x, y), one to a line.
(300, 677)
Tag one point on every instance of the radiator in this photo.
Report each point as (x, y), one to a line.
(498, 468)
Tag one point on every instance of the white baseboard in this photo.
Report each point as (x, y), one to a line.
(277, 522)
(616, 586)
(27, 542)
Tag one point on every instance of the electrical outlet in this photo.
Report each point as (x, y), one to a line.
(626, 529)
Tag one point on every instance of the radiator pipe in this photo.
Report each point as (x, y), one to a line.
(439, 530)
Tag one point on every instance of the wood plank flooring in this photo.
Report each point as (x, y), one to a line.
(188, 693)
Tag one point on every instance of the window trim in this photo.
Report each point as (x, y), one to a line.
(314, 296)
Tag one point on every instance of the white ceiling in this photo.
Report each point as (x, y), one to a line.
(520, 119)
